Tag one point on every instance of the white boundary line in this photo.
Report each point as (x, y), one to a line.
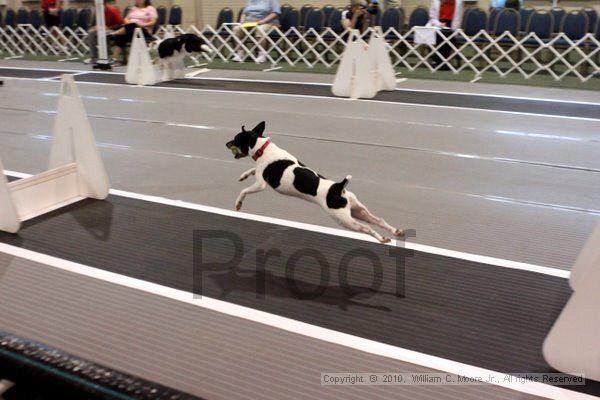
(408, 90)
(298, 327)
(323, 84)
(318, 97)
(334, 99)
(67, 69)
(336, 232)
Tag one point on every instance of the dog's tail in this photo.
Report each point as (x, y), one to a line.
(338, 188)
(345, 182)
(335, 198)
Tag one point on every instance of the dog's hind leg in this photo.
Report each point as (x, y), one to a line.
(247, 174)
(348, 222)
(359, 211)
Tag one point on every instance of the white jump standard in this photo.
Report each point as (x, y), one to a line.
(75, 169)
(364, 69)
(572, 346)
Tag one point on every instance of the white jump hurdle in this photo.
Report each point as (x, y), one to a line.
(573, 344)
(75, 169)
(364, 69)
(382, 69)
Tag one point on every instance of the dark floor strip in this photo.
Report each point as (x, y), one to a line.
(42, 373)
(30, 73)
(483, 315)
(554, 108)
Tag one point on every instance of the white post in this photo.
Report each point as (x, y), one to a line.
(102, 62)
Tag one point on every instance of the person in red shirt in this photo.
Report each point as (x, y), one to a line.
(447, 12)
(447, 15)
(113, 20)
(50, 11)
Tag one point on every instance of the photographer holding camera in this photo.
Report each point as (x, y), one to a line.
(358, 16)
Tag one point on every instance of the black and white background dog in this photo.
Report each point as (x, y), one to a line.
(172, 51)
(185, 44)
(284, 173)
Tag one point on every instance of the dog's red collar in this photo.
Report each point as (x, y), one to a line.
(260, 151)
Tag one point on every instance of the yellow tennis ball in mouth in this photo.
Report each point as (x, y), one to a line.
(235, 151)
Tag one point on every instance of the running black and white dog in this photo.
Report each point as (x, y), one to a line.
(284, 173)
(185, 44)
(172, 51)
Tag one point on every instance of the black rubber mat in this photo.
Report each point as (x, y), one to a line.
(45, 373)
(483, 315)
(30, 73)
(397, 96)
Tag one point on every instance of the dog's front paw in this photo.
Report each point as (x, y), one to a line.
(243, 177)
(399, 233)
(238, 206)
(385, 240)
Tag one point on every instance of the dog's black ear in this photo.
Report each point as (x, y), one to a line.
(259, 129)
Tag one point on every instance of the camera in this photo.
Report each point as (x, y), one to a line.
(373, 7)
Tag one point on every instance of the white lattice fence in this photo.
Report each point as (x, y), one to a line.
(27, 40)
(506, 54)
(481, 53)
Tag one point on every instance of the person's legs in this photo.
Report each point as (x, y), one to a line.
(239, 34)
(92, 42)
(261, 33)
(121, 38)
(52, 22)
(444, 50)
(117, 42)
(120, 31)
(147, 35)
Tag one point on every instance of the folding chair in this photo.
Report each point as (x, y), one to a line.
(161, 12)
(84, 18)
(492, 19)
(592, 18)
(67, 18)
(35, 19)
(22, 16)
(376, 18)
(239, 14)
(525, 14)
(175, 15)
(475, 21)
(419, 17)
(10, 18)
(287, 21)
(558, 14)
(304, 13)
(225, 16)
(541, 24)
(285, 8)
(573, 28)
(327, 11)
(392, 18)
(315, 19)
(507, 20)
(506, 30)
(392, 21)
(334, 24)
